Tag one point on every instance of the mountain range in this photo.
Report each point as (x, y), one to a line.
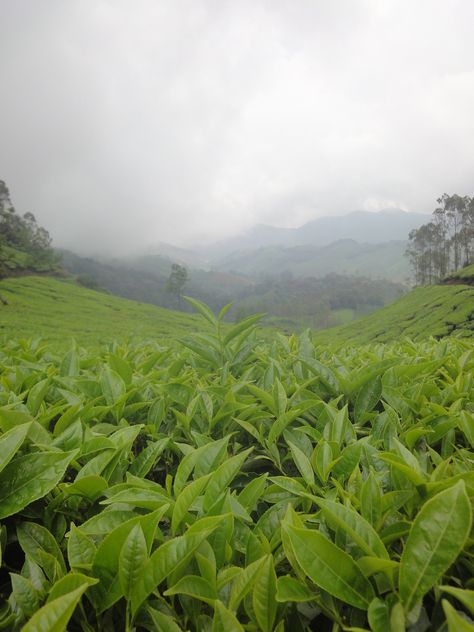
(361, 226)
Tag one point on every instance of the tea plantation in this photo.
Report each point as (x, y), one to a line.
(207, 479)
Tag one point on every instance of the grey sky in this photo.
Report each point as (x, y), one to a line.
(172, 120)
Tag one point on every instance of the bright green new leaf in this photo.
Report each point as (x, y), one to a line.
(456, 622)
(368, 397)
(264, 595)
(113, 386)
(290, 590)
(185, 500)
(437, 536)
(68, 583)
(355, 526)
(169, 556)
(222, 477)
(329, 567)
(466, 597)
(224, 620)
(132, 559)
(244, 582)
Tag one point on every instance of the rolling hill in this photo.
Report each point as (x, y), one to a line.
(346, 256)
(435, 310)
(59, 310)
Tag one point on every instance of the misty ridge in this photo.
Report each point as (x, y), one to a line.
(317, 275)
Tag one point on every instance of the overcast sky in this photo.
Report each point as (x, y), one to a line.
(171, 120)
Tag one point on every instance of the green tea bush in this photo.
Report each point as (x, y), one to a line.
(227, 483)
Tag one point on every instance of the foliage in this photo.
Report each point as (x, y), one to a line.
(228, 483)
(446, 243)
(177, 280)
(23, 244)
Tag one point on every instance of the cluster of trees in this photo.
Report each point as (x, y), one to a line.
(21, 235)
(446, 243)
(313, 301)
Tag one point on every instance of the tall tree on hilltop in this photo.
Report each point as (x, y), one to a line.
(176, 281)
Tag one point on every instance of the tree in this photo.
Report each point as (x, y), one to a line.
(176, 281)
(444, 244)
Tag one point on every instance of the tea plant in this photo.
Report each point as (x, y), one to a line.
(226, 483)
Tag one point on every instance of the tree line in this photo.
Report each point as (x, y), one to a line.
(446, 243)
(23, 243)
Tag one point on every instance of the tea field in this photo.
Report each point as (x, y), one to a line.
(59, 310)
(222, 483)
(433, 310)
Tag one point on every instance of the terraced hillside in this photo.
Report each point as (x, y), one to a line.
(464, 275)
(435, 310)
(59, 310)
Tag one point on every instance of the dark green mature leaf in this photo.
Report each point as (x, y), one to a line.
(54, 616)
(357, 528)
(39, 544)
(329, 567)
(10, 442)
(194, 586)
(30, 477)
(25, 595)
(80, 549)
(437, 536)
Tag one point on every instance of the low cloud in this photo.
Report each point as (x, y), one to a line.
(131, 123)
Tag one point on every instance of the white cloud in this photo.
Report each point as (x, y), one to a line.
(163, 120)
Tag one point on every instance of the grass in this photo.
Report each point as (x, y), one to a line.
(436, 310)
(58, 310)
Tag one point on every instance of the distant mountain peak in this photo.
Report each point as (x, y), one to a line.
(390, 224)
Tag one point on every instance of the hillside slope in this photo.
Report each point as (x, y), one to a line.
(59, 310)
(345, 256)
(435, 310)
(464, 275)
